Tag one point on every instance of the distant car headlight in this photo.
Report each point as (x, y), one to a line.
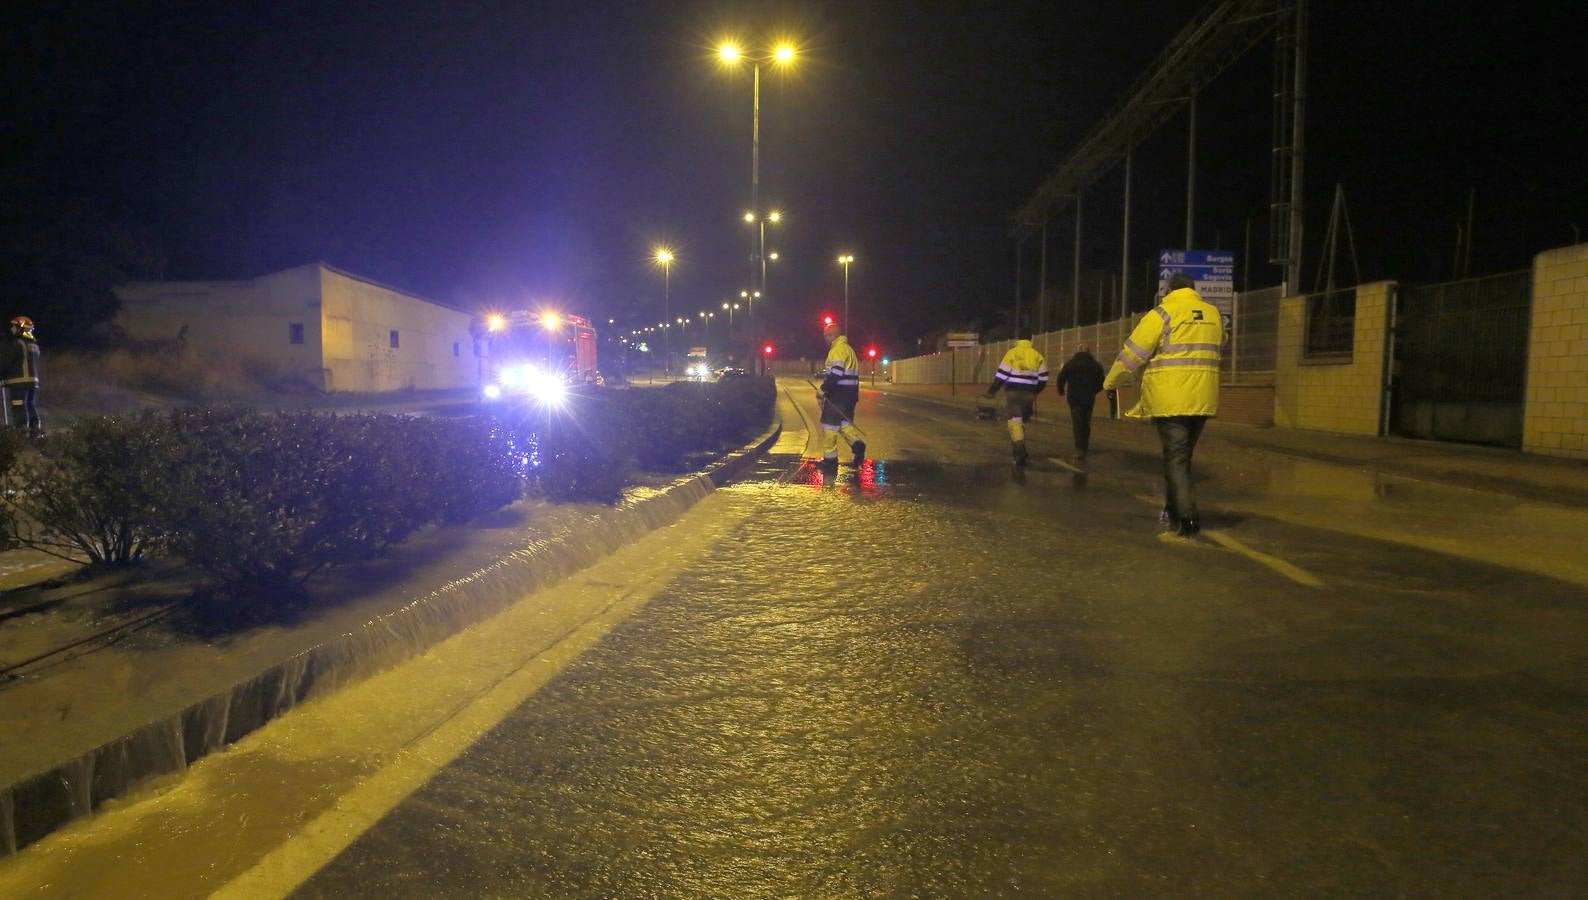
(493, 392)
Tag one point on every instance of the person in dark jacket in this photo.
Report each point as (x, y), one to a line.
(1079, 382)
(19, 372)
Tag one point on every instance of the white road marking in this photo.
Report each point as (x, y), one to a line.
(1064, 465)
(1224, 539)
(1293, 572)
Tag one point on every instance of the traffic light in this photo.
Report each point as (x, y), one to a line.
(871, 352)
(767, 350)
(826, 321)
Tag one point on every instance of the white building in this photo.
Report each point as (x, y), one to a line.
(324, 326)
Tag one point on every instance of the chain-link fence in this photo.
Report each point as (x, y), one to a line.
(1254, 338)
(1248, 359)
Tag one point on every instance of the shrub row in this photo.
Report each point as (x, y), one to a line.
(263, 500)
(254, 498)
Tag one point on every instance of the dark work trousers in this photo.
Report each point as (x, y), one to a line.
(1179, 436)
(22, 407)
(1081, 419)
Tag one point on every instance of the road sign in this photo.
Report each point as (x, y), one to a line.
(958, 345)
(970, 336)
(1212, 270)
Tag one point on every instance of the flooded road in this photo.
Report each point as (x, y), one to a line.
(930, 675)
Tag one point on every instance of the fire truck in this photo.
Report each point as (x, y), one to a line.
(539, 354)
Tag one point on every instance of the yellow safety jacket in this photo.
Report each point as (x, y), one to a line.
(1175, 352)
(1023, 369)
(843, 370)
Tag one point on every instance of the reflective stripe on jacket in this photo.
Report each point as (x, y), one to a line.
(19, 364)
(1174, 351)
(1023, 369)
(843, 370)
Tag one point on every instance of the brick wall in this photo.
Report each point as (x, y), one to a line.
(1555, 421)
(1337, 396)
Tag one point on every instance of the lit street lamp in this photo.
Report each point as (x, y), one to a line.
(664, 258)
(774, 217)
(844, 261)
(731, 308)
(782, 54)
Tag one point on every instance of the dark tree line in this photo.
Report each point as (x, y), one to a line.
(59, 261)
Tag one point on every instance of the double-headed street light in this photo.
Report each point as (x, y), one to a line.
(749, 298)
(731, 309)
(844, 261)
(775, 216)
(781, 54)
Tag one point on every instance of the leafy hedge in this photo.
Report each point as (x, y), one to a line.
(260, 501)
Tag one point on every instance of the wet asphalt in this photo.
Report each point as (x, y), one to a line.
(933, 676)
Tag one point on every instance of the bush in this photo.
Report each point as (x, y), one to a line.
(262, 501)
(473, 465)
(268, 500)
(89, 493)
(583, 452)
(10, 448)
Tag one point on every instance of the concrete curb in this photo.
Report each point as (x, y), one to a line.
(74, 787)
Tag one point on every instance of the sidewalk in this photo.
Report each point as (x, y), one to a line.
(1491, 469)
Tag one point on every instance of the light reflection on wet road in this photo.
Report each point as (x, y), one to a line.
(928, 678)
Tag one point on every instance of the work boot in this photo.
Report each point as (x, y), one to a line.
(860, 452)
(1189, 527)
(1020, 453)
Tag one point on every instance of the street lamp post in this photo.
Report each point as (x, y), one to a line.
(730, 307)
(760, 220)
(664, 258)
(730, 54)
(844, 261)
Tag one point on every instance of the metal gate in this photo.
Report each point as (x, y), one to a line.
(1460, 363)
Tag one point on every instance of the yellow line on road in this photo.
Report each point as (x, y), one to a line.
(1293, 572)
(497, 644)
(291, 863)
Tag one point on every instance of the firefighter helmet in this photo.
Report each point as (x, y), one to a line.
(22, 323)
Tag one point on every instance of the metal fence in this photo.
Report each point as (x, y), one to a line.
(1331, 325)
(1254, 338)
(975, 365)
(1466, 340)
(1248, 359)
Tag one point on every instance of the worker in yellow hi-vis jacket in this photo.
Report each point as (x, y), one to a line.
(1024, 372)
(839, 393)
(1174, 351)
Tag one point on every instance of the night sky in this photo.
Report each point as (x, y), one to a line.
(499, 153)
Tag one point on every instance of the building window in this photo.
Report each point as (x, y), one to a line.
(294, 332)
(394, 339)
(455, 350)
(1331, 326)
